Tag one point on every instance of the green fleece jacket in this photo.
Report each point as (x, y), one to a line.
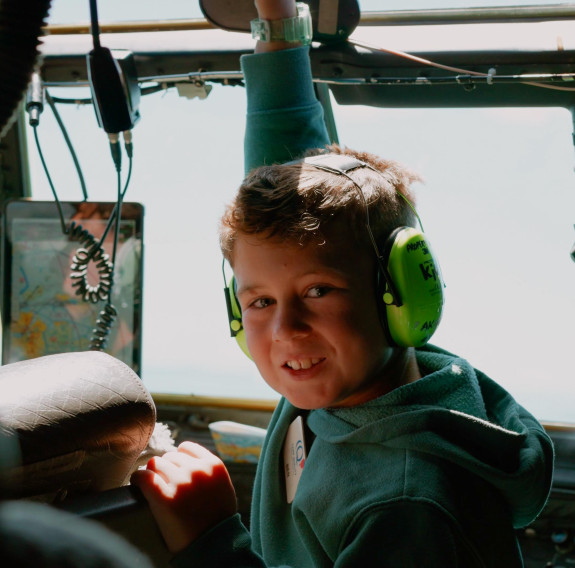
(437, 473)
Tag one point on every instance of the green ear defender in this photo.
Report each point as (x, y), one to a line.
(412, 313)
(235, 315)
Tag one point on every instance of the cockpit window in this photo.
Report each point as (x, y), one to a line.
(497, 205)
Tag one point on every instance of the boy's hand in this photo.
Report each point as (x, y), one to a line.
(189, 492)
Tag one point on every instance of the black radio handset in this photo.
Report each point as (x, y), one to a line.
(116, 95)
(115, 90)
(113, 82)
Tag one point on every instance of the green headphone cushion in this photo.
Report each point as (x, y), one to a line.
(417, 278)
(235, 318)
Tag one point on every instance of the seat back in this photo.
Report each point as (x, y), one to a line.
(81, 420)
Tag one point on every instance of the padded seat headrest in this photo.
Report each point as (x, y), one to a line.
(81, 419)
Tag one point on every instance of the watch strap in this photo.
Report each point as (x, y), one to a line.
(292, 30)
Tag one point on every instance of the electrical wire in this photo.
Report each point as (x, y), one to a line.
(95, 26)
(430, 63)
(108, 315)
(68, 143)
(90, 251)
(415, 58)
(115, 210)
(88, 101)
(101, 331)
(543, 86)
(49, 177)
(93, 251)
(77, 102)
(118, 218)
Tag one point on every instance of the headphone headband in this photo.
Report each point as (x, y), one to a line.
(335, 163)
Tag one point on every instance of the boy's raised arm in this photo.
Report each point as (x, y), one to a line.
(284, 117)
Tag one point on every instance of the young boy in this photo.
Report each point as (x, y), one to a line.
(414, 458)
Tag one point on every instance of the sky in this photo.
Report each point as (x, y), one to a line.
(498, 204)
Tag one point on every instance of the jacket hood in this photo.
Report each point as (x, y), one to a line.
(457, 413)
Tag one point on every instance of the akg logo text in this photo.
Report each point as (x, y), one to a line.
(428, 270)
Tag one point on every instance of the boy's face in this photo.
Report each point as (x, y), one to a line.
(311, 320)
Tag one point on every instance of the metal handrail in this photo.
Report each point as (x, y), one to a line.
(132, 27)
(381, 18)
(478, 15)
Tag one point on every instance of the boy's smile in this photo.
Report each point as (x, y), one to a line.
(311, 320)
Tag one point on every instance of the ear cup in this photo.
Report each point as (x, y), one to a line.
(235, 316)
(416, 276)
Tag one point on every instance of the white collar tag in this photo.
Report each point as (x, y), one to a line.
(294, 457)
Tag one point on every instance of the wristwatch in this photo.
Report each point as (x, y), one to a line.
(292, 30)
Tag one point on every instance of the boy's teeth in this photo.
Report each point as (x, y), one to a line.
(296, 365)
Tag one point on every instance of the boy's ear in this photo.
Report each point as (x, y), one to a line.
(327, 28)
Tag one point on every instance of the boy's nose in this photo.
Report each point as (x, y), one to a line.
(289, 323)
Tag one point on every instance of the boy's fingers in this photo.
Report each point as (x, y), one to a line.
(179, 459)
(196, 451)
(176, 469)
(149, 482)
(176, 465)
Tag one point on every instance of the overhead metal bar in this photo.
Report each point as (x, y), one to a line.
(380, 18)
(132, 27)
(479, 15)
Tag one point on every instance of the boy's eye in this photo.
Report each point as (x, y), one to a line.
(261, 303)
(317, 291)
